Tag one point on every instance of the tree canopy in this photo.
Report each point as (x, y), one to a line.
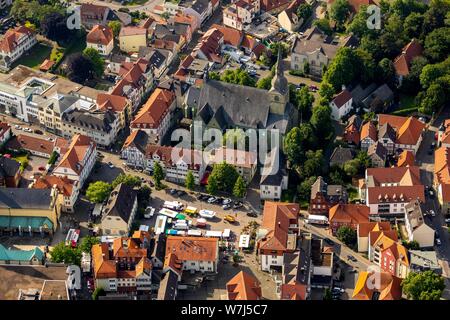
(98, 191)
(425, 285)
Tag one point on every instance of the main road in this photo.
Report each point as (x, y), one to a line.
(147, 6)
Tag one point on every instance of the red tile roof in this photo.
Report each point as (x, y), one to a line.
(193, 248)
(63, 184)
(390, 287)
(405, 159)
(408, 130)
(342, 98)
(244, 287)
(132, 31)
(100, 35)
(403, 62)
(209, 45)
(111, 102)
(405, 176)
(396, 194)
(369, 130)
(231, 36)
(154, 110)
(349, 213)
(76, 153)
(31, 143)
(9, 41)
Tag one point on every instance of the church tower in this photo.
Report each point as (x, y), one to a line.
(279, 91)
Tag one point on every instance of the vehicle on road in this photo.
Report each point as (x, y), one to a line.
(432, 213)
(447, 220)
(173, 205)
(110, 165)
(212, 200)
(329, 241)
(173, 191)
(181, 193)
(18, 127)
(207, 213)
(438, 242)
(227, 201)
(252, 214)
(237, 204)
(28, 130)
(351, 258)
(149, 212)
(37, 131)
(316, 219)
(226, 207)
(201, 223)
(338, 290)
(229, 218)
(41, 168)
(431, 193)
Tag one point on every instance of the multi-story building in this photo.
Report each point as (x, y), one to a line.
(368, 135)
(121, 107)
(66, 187)
(389, 289)
(324, 196)
(416, 227)
(368, 232)
(10, 173)
(240, 13)
(132, 38)
(389, 255)
(245, 162)
(442, 177)
(192, 254)
(243, 286)
(123, 266)
(14, 44)
(277, 234)
(134, 149)
(77, 163)
(341, 104)
(349, 215)
(100, 38)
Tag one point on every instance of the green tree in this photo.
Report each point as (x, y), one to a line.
(324, 25)
(87, 243)
(358, 25)
(62, 253)
(304, 188)
(431, 72)
(343, 69)
(97, 61)
(143, 195)
(304, 11)
(386, 72)
(264, 83)
(115, 27)
(321, 121)
(327, 295)
(99, 291)
(128, 179)
(313, 166)
(158, 174)
(225, 175)
(98, 191)
(351, 167)
(347, 235)
(212, 187)
(190, 181)
(339, 12)
(239, 188)
(423, 285)
(413, 25)
(238, 76)
(214, 75)
(293, 146)
(364, 161)
(437, 44)
(326, 92)
(305, 102)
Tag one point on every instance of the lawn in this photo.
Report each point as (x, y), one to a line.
(406, 106)
(35, 56)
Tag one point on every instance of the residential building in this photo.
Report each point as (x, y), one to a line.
(388, 190)
(324, 196)
(408, 131)
(288, 18)
(78, 161)
(131, 38)
(341, 156)
(377, 154)
(390, 256)
(349, 215)
(34, 145)
(168, 287)
(134, 149)
(67, 188)
(10, 173)
(195, 254)
(406, 159)
(444, 134)
(209, 47)
(271, 186)
(30, 211)
(176, 162)
(352, 130)
(21, 257)
(14, 43)
(387, 136)
(441, 179)
(119, 211)
(154, 116)
(368, 232)
(273, 5)
(402, 63)
(203, 9)
(341, 104)
(100, 38)
(417, 228)
(121, 107)
(240, 14)
(5, 3)
(421, 261)
(243, 287)
(378, 100)
(92, 15)
(314, 50)
(368, 135)
(245, 162)
(322, 264)
(5, 133)
(123, 265)
(277, 234)
(390, 287)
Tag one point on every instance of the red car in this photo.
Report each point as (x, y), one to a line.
(41, 169)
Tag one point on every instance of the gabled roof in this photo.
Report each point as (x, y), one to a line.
(137, 139)
(8, 167)
(399, 252)
(403, 62)
(365, 228)
(32, 143)
(132, 31)
(111, 102)
(20, 255)
(63, 184)
(231, 36)
(24, 198)
(377, 149)
(405, 176)
(368, 130)
(408, 130)
(120, 203)
(349, 213)
(243, 287)
(151, 114)
(406, 158)
(341, 155)
(193, 248)
(342, 98)
(9, 42)
(76, 153)
(390, 287)
(100, 35)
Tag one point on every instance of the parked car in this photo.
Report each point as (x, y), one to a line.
(252, 214)
(37, 131)
(329, 241)
(226, 201)
(18, 127)
(173, 191)
(229, 218)
(212, 199)
(28, 130)
(447, 220)
(237, 204)
(181, 193)
(431, 193)
(438, 242)
(433, 214)
(226, 207)
(351, 258)
(110, 165)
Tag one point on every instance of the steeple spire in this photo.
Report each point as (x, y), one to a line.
(279, 81)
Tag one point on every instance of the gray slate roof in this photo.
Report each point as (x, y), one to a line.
(341, 155)
(24, 198)
(120, 202)
(8, 167)
(97, 120)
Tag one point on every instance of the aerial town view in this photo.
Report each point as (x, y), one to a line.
(224, 150)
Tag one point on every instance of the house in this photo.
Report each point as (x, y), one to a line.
(273, 5)
(21, 257)
(92, 15)
(324, 196)
(192, 71)
(10, 173)
(322, 264)
(277, 234)
(314, 50)
(100, 38)
(158, 250)
(296, 272)
(5, 133)
(390, 287)
(368, 135)
(390, 256)
(244, 287)
(131, 38)
(120, 106)
(209, 47)
(195, 254)
(223, 105)
(14, 43)
(240, 14)
(406, 159)
(274, 176)
(154, 117)
(119, 211)
(29, 210)
(388, 190)
(5, 3)
(368, 232)
(134, 148)
(176, 162)
(203, 9)
(444, 134)
(168, 287)
(441, 179)
(288, 18)
(408, 131)
(377, 154)
(387, 136)
(402, 63)
(183, 18)
(102, 126)
(379, 100)
(349, 215)
(341, 104)
(66, 187)
(34, 145)
(136, 80)
(416, 227)
(421, 261)
(245, 162)
(123, 265)
(341, 156)
(78, 161)
(352, 130)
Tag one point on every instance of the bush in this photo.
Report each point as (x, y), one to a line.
(98, 292)
(297, 73)
(53, 158)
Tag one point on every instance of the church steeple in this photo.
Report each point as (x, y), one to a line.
(279, 81)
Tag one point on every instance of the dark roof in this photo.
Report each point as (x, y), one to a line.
(200, 6)
(378, 149)
(386, 131)
(356, 120)
(341, 155)
(297, 265)
(120, 202)
(96, 120)
(273, 179)
(24, 198)
(168, 286)
(157, 58)
(8, 167)
(158, 248)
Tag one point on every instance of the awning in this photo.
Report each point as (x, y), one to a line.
(25, 222)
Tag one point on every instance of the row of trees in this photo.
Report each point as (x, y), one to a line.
(63, 253)
(224, 177)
